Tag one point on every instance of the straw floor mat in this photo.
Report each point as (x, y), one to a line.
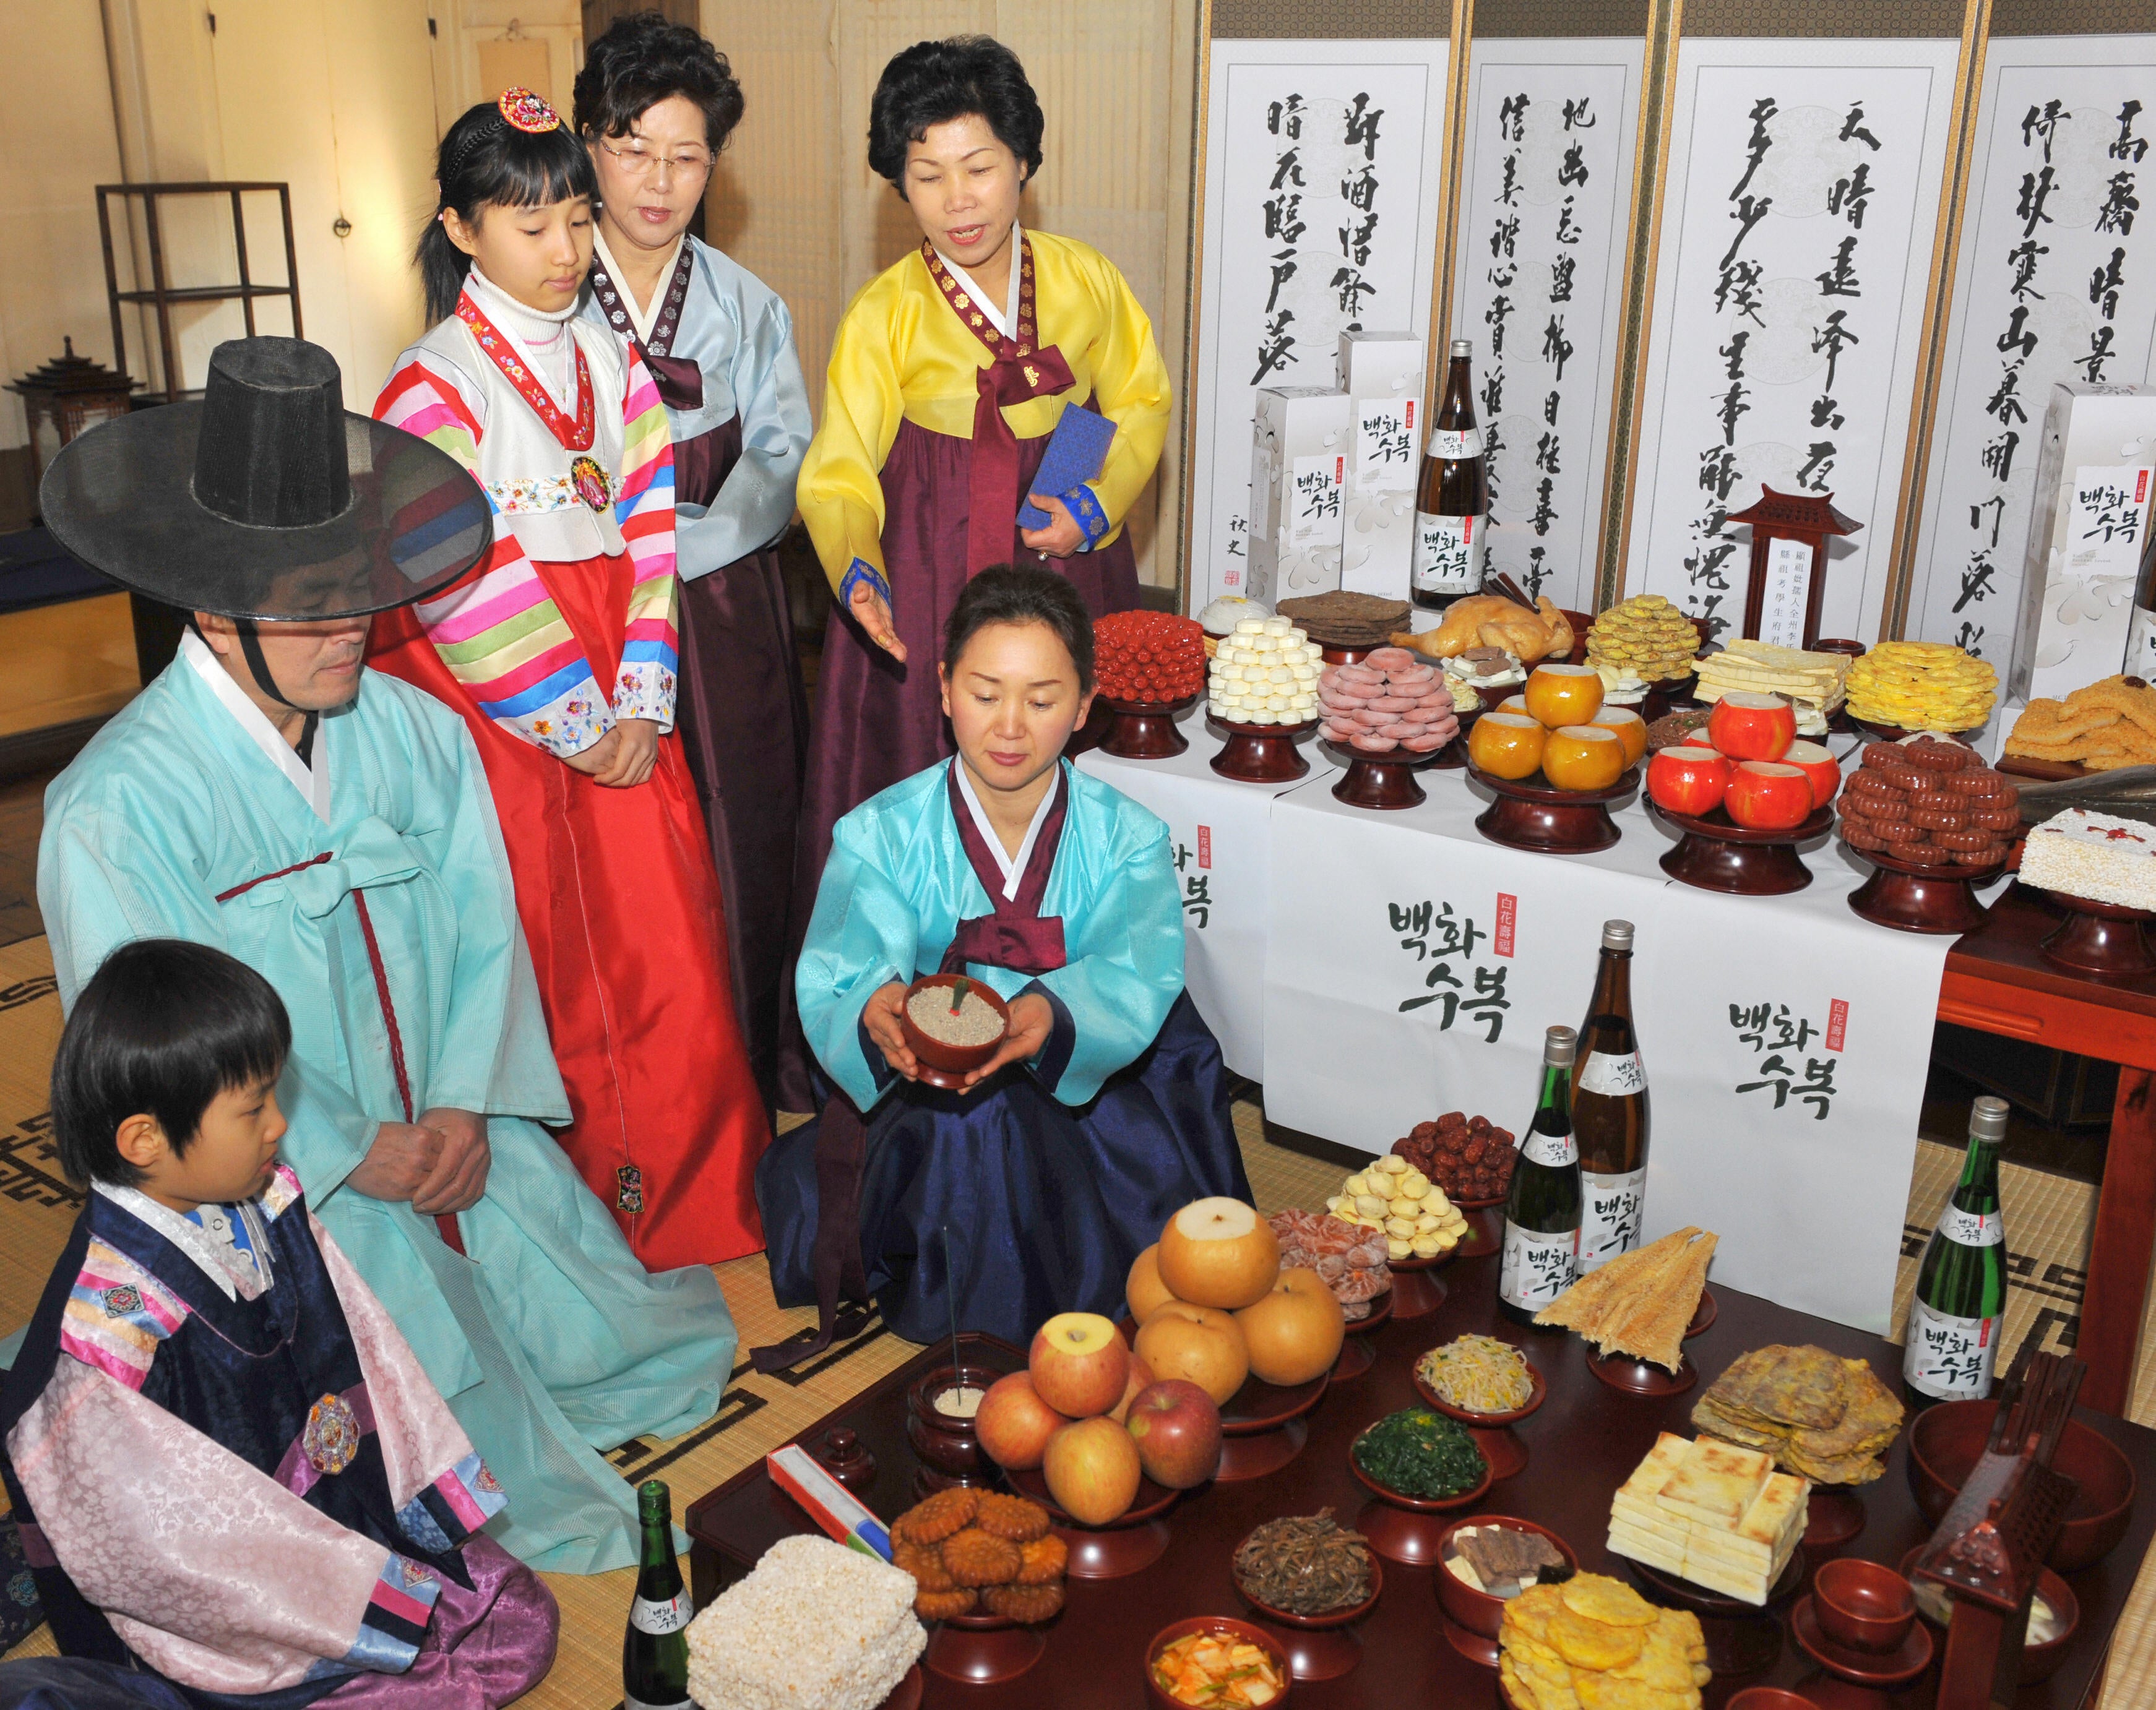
(2048, 1218)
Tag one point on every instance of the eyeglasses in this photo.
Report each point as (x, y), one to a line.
(642, 163)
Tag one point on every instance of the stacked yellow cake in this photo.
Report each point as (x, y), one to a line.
(1711, 1513)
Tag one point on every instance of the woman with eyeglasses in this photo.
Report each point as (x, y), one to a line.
(655, 104)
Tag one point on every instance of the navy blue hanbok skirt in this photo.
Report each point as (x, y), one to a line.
(1046, 1205)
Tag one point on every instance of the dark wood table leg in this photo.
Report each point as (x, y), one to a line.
(2119, 1254)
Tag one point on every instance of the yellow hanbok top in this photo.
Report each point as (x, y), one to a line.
(902, 355)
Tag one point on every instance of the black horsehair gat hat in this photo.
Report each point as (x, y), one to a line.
(267, 499)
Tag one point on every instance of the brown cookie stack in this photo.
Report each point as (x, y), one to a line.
(1930, 803)
(1346, 621)
(980, 1553)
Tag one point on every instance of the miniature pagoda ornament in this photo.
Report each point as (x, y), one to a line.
(69, 396)
(1789, 533)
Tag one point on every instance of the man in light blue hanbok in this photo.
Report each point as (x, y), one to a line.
(330, 826)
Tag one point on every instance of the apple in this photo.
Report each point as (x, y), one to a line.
(1765, 796)
(1218, 1252)
(1294, 1333)
(1748, 726)
(1200, 1342)
(1092, 1469)
(1816, 763)
(1014, 1424)
(1177, 1431)
(1140, 1378)
(1144, 1290)
(1078, 1364)
(1689, 780)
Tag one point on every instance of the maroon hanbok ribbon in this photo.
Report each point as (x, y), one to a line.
(1023, 368)
(680, 380)
(1017, 935)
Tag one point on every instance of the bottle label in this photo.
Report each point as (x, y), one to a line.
(1611, 1210)
(1452, 448)
(1613, 1074)
(647, 1616)
(1949, 1357)
(1536, 1268)
(2141, 645)
(629, 1701)
(1555, 1150)
(1447, 553)
(1972, 1228)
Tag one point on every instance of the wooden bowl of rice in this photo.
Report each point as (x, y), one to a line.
(945, 1062)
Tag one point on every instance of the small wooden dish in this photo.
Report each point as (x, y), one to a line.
(1907, 897)
(1897, 1667)
(1493, 1433)
(2099, 938)
(1834, 1515)
(1130, 1542)
(982, 1650)
(1232, 1628)
(1384, 782)
(1319, 1646)
(2039, 1662)
(941, 1064)
(1145, 730)
(1404, 1528)
(1715, 853)
(1536, 816)
(1262, 754)
(1472, 1618)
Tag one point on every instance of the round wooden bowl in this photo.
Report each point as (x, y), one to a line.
(1907, 897)
(1262, 754)
(1493, 1433)
(1145, 730)
(1132, 1541)
(2099, 938)
(1881, 1670)
(1320, 1647)
(1356, 1356)
(2039, 1662)
(1945, 1442)
(941, 1064)
(1533, 815)
(1472, 1618)
(1406, 1528)
(1382, 782)
(1246, 1630)
(1631, 1376)
(1715, 853)
(948, 1448)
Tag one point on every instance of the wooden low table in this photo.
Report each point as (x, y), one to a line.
(1584, 1440)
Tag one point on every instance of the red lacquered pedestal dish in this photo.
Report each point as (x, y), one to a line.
(939, 1061)
(1878, 1671)
(1262, 754)
(907, 1694)
(1493, 1433)
(1742, 1638)
(1133, 1541)
(1404, 1528)
(1417, 1291)
(1261, 1428)
(1472, 1618)
(1319, 1647)
(1633, 1376)
(1356, 1356)
(1832, 1517)
(1715, 853)
(1485, 1226)
(1145, 730)
(1908, 898)
(982, 1650)
(1384, 782)
(1531, 815)
(2099, 938)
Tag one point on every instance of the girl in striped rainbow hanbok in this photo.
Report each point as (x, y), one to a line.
(560, 654)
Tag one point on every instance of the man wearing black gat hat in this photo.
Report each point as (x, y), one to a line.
(331, 827)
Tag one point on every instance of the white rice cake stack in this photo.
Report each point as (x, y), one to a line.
(2094, 855)
(1265, 673)
(1711, 1513)
(1817, 680)
(814, 1626)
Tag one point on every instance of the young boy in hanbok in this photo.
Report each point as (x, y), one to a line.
(230, 1471)
(1106, 1108)
(560, 658)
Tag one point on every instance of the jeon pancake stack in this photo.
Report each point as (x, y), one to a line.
(1592, 1641)
(1827, 1418)
(1713, 1513)
(1641, 1302)
(1645, 637)
(2104, 726)
(1922, 686)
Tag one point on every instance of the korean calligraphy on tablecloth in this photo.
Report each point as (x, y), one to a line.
(2055, 281)
(1320, 216)
(1803, 194)
(1548, 187)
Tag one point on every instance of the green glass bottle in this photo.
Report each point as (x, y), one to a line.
(1609, 1110)
(654, 1651)
(1960, 1310)
(1540, 1257)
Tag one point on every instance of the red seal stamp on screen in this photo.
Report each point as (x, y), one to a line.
(528, 112)
(590, 481)
(332, 1437)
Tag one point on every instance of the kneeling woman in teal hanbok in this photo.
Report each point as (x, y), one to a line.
(1106, 1108)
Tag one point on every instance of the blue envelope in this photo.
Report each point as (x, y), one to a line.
(1077, 452)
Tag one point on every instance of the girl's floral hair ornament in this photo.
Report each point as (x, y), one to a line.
(528, 112)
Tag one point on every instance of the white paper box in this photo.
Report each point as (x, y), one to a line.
(2096, 480)
(1382, 373)
(1302, 443)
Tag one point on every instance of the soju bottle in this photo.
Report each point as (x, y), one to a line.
(1960, 1311)
(1452, 499)
(654, 1651)
(1609, 1110)
(1541, 1257)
